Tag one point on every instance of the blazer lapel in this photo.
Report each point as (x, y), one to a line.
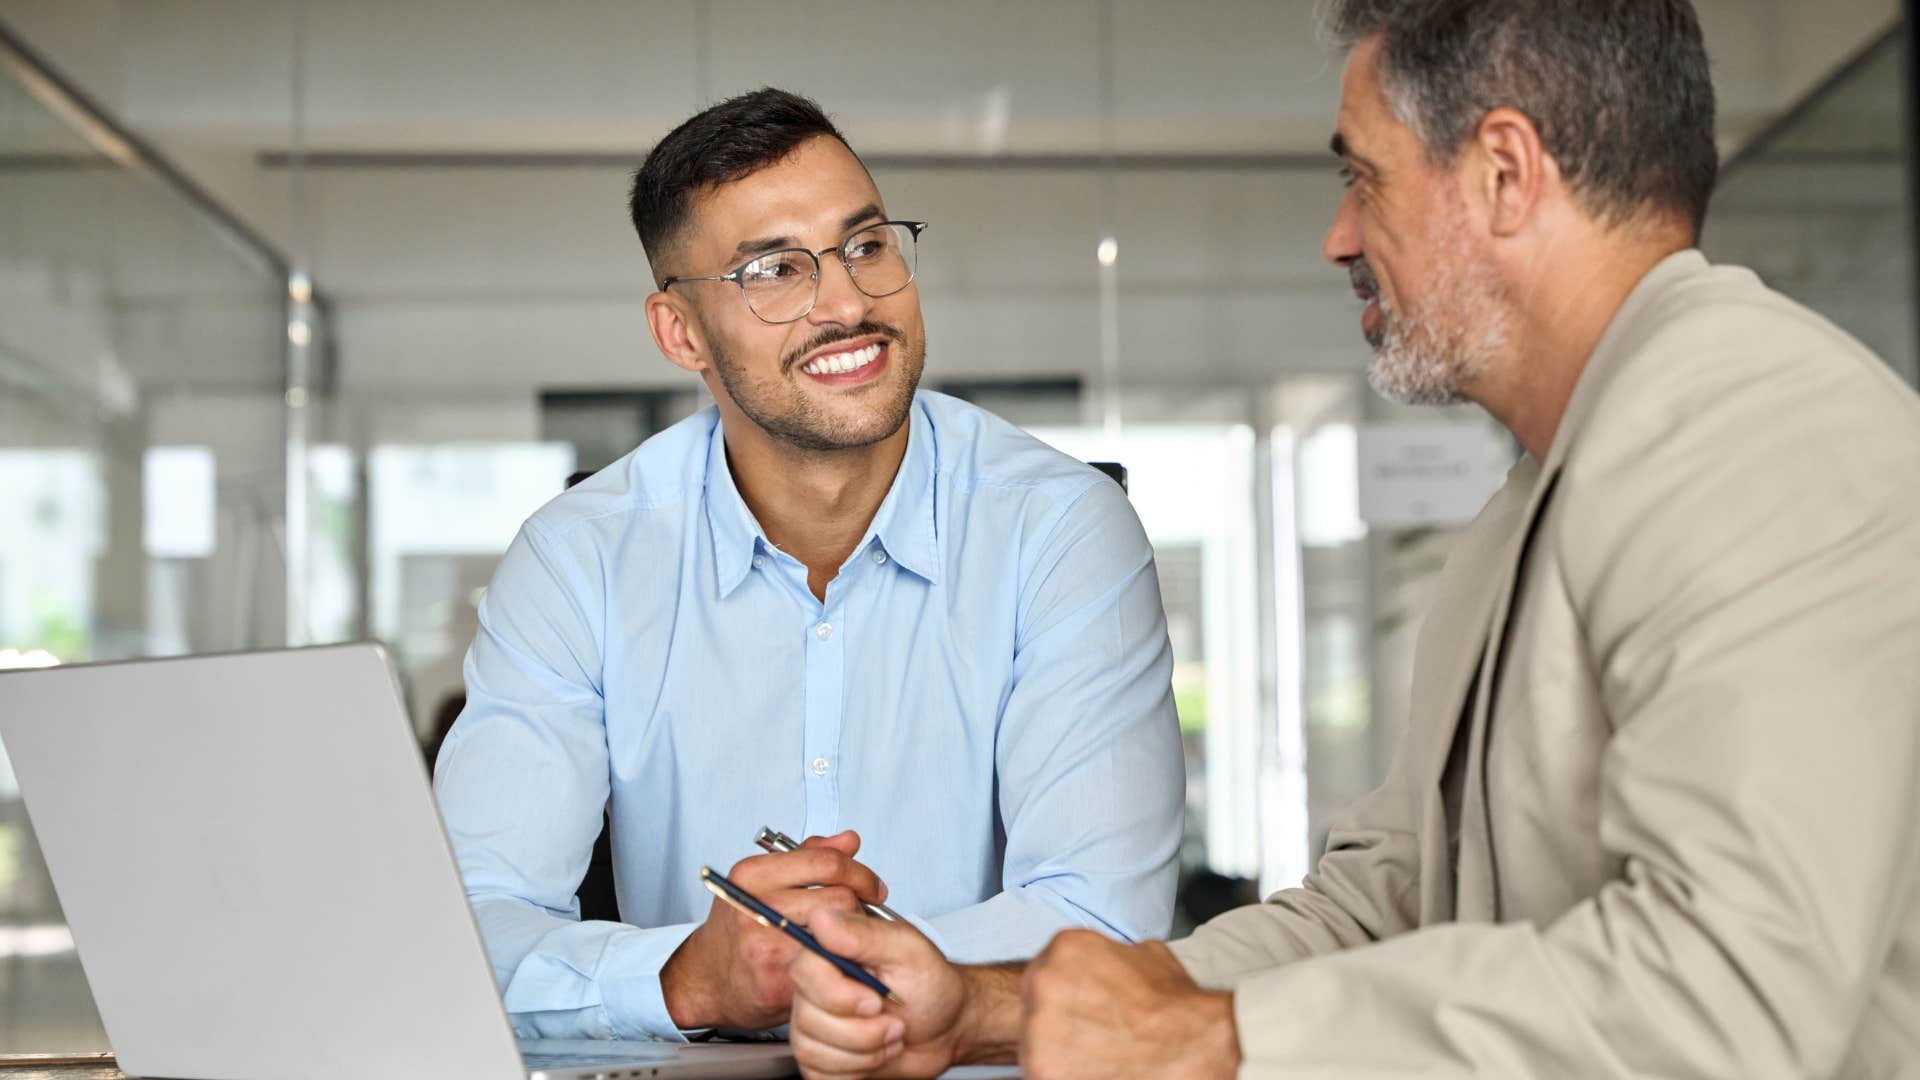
(1475, 880)
(1448, 662)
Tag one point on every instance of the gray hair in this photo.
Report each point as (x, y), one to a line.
(1619, 90)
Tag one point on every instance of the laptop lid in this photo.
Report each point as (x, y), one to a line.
(249, 856)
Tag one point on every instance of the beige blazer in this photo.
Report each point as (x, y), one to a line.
(1689, 835)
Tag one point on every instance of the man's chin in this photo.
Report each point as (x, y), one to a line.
(873, 430)
(846, 433)
(1403, 388)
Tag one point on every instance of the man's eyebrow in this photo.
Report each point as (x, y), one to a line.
(778, 243)
(764, 245)
(1338, 144)
(868, 211)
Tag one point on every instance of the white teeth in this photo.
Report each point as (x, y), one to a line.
(840, 363)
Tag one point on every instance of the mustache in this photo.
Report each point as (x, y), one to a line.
(1364, 283)
(838, 334)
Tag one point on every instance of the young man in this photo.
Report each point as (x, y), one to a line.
(829, 605)
(1655, 812)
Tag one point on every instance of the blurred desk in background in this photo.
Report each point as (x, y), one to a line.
(50, 1067)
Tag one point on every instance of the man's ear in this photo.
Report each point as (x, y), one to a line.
(675, 332)
(1514, 169)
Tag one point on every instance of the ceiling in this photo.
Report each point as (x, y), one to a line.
(469, 217)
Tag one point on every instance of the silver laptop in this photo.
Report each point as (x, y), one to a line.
(250, 858)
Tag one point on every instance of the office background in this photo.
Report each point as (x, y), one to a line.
(306, 304)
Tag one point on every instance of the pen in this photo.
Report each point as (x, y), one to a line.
(733, 894)
(774, 840)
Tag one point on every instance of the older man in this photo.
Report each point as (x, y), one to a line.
(1656, 811)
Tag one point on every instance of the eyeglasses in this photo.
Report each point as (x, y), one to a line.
(782, 286)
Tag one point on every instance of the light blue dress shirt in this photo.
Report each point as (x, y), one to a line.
(984, 695)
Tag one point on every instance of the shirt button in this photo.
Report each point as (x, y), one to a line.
(823, 632)
(820, 766)
(759, 562)
(879, 557)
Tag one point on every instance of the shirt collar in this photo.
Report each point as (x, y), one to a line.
(736, 535)
(904, 525)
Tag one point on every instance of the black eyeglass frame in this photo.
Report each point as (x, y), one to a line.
(840, 250)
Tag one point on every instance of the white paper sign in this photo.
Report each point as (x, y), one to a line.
(180, 502)
(1419, 475)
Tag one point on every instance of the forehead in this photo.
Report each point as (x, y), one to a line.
(806, 196)
(1366, 121)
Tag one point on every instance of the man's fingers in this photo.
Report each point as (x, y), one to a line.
(805, 905)
(823, 1061)
(862, 880)
(846, 843)
(829, 1044)
(827, 990)
(870, 942)
(852, 1034)
(819, 865)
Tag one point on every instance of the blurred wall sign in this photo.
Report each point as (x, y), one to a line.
(1419, 475)
(180, 501)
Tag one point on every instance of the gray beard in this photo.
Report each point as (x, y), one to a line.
(1423, 360)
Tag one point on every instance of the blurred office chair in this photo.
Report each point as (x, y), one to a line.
(1113, 469)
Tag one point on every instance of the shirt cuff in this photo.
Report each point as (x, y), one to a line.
(630, 989)
(926, 927)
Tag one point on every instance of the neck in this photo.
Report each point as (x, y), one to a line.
(1570, 296)
(814, 505)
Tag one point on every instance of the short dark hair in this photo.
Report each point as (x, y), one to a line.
(1620, 90)
(721, 144)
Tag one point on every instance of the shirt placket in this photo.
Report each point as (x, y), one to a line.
(825, 644)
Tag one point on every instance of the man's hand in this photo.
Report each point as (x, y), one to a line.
(843, 1030)
(1095, 1008)
(732, 972)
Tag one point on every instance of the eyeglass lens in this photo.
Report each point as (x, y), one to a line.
(781, 287)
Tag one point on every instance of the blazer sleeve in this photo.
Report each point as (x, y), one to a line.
(1741, 549)
(1364, 889)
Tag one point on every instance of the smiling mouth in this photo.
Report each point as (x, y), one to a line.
(841, 363)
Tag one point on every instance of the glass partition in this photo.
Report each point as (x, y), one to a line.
(142, 465)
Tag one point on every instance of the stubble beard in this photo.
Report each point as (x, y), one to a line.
(784, 410)
(1434, 356)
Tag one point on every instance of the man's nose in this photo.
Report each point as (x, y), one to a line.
(1342, 243)
(840, 300)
